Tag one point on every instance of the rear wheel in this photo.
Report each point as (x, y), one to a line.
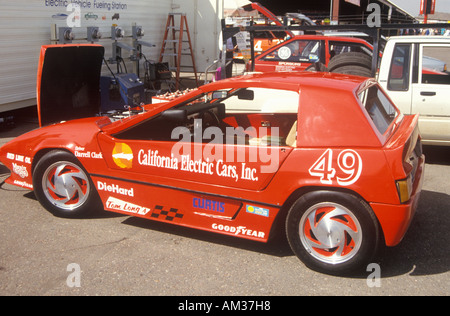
(358, 64)
(332, 232)
(62, 185)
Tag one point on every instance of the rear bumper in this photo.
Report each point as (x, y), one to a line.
(395, 219)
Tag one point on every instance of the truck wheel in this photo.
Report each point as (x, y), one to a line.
(332, 232)
(351, 63)
(62, 186)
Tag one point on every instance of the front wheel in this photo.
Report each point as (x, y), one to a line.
(62, 185)
(332, 232)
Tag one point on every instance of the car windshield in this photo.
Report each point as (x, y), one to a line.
(379, 107)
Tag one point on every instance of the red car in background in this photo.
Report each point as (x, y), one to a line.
(325, 157)
(302, 51)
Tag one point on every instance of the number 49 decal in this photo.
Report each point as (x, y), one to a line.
(348, 161)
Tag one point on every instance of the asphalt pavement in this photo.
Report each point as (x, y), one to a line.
(111, 254)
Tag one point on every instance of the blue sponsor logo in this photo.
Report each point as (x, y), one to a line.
(209, 205)
(257, 210)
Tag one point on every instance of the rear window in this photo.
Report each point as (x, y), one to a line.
(379, 107)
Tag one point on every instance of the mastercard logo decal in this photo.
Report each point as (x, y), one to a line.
(123, 156)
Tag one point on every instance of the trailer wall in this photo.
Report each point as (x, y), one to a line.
(26, 26)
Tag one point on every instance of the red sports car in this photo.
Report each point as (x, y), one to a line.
(327, 157)
(302, 51)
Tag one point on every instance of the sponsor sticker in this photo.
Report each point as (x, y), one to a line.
(115, 188)
(238, 230)
(19, 158)
(123, 156)
(20, 170)
(209, 205)
(257, 210)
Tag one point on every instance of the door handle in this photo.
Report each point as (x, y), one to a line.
(428, 93)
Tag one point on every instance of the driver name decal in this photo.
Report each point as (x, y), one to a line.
(119, 205)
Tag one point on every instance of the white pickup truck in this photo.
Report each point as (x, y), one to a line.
(413, 71)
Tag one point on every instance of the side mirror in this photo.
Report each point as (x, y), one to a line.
(175, 115)
(222, 94)
(246, 94)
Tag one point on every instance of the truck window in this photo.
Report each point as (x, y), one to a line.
(434, 65)
(399, 73)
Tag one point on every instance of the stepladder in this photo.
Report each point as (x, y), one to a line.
(177, 48)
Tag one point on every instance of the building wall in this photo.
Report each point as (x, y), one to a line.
(204, 21)
(26, 25)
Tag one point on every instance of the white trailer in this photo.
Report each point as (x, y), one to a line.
(27, 25)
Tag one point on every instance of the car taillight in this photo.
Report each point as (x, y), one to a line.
(411, 153)
(404, 188)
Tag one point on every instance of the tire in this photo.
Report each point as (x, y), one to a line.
(63, 186)
(354, 70)
(333, 232)
(351, 63)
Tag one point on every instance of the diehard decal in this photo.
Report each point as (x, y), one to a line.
(115, 188)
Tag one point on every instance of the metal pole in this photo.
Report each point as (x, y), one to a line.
(335, 11)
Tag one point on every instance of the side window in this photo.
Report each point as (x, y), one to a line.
(400, 65)
(296, 51)
(262, 100)
(267, 116)
(245, 116)
(337, 48)
(434, 65)
(380, 109)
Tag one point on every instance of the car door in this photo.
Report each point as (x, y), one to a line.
(164, 162)
(431, 93)
(244, 150)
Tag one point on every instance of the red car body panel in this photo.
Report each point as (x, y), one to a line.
(143, 178)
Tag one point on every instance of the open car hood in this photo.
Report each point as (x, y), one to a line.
(68, 82)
